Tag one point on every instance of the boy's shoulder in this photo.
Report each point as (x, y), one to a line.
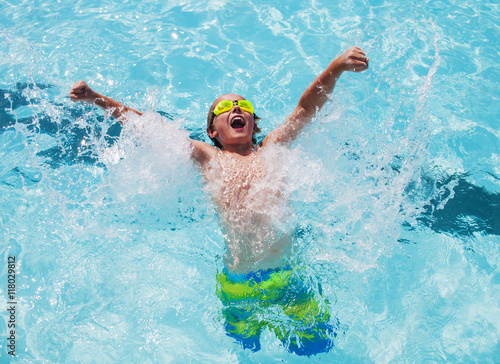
(203, 152)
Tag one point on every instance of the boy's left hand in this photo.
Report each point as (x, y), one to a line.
(354, 60)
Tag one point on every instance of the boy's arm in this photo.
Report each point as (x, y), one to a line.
(82, 92)
(202, 152)
(316, 95)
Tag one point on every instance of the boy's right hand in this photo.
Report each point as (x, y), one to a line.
(82, 92)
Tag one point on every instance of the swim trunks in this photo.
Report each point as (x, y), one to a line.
(280, 301)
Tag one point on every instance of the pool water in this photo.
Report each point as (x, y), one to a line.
(394, 188)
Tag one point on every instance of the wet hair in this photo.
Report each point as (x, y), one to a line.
(210, 119)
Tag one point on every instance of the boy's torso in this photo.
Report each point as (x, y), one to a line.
(252, 211)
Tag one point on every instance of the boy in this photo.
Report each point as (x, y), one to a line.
(256, 276)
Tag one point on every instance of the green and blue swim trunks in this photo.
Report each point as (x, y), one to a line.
(279, 300)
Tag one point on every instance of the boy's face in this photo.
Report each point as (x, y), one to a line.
(234, 127)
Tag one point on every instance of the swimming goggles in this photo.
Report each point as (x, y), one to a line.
(226, 105)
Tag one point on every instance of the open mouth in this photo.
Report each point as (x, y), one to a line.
(238, 123)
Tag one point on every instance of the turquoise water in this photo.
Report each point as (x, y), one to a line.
(394, 188)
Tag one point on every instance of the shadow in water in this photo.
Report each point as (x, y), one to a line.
(472, 209)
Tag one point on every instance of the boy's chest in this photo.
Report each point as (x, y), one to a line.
(240, 179)
(247, 191)
(242, 172)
